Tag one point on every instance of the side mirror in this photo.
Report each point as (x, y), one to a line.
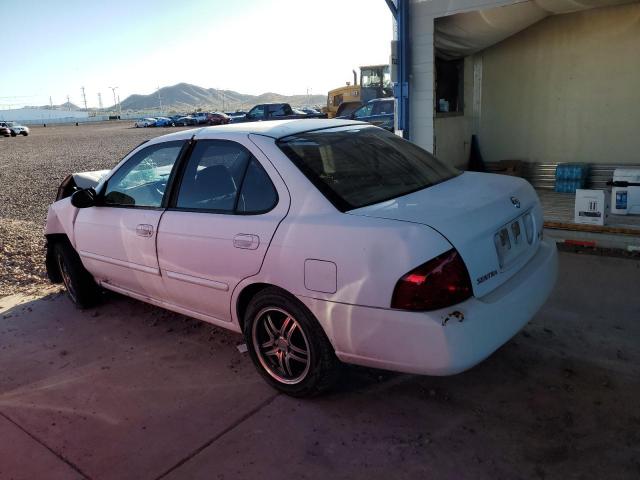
(84, 198)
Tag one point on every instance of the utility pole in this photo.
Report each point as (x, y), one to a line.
(115, 103)
(100, 100)
(84, 96)
(160, 99)
(50, 102)
(119, 106)
(68, 103)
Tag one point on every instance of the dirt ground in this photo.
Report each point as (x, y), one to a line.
(129, 391)
(31, 168)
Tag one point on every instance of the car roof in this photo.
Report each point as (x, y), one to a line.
(280, 128)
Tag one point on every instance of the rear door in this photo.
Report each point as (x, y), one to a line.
(218, 227)
(117, 240)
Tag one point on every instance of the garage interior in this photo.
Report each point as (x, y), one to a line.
(538, 83)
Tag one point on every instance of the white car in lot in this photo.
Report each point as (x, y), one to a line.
(145, 122)
(15, 128)
(320, 240)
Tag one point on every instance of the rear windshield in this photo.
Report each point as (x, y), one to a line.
(356, 167)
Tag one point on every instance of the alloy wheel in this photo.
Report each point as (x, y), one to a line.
(281, 345)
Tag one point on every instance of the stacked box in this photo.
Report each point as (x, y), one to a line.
(592, 207)
(571, 177)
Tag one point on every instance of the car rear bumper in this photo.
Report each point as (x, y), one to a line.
(442, 342)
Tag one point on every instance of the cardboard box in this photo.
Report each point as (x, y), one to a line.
(592, 207)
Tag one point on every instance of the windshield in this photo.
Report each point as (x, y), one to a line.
(356, 167)
(370, 77)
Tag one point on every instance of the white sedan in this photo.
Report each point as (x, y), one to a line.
(145, 122)
(320, 240)
(15, 128)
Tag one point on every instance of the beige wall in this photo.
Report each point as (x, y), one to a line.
(565, 89)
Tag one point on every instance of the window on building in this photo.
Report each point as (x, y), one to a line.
(449, 86)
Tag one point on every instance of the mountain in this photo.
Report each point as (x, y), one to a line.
(63, 106)
(184, 96)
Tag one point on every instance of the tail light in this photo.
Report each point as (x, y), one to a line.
(439, 283)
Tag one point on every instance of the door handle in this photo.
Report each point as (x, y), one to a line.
(246, 241)
(144, 230)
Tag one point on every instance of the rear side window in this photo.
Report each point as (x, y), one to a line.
(258, 193)
(280, 110)
(356, 167)
(385, 107)
(211, 180)
(223, 177)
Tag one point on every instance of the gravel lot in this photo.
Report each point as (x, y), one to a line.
(31, 168)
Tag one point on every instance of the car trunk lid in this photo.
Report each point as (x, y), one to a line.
(485, 217)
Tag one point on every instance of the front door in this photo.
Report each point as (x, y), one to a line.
(117, 239)
(218, 228)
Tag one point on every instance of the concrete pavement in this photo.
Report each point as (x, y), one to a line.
(127, 390)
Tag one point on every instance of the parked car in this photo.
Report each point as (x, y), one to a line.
(186, 121)
(145, 122)
(164, 122)
(237, 118)
(218, 118)
(15, 128)
(201, 117)
(320, 240)
(378, 112)
(310, 111)
(5, 131)
(273, 111)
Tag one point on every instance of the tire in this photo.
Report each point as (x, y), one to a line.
(81, 288)
(287, 344)
(13, 134)
(24, 134)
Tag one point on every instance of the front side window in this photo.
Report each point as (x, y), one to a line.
(356, 167)
(223, 177)
(256, 112)
(142, 180)
(364, 111)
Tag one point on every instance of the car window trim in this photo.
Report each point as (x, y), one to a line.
(175, 178)
(184, 161)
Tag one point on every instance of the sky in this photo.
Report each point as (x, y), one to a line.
(250, 46)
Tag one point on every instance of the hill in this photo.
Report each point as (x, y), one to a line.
(62, 106)
(185, 96)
